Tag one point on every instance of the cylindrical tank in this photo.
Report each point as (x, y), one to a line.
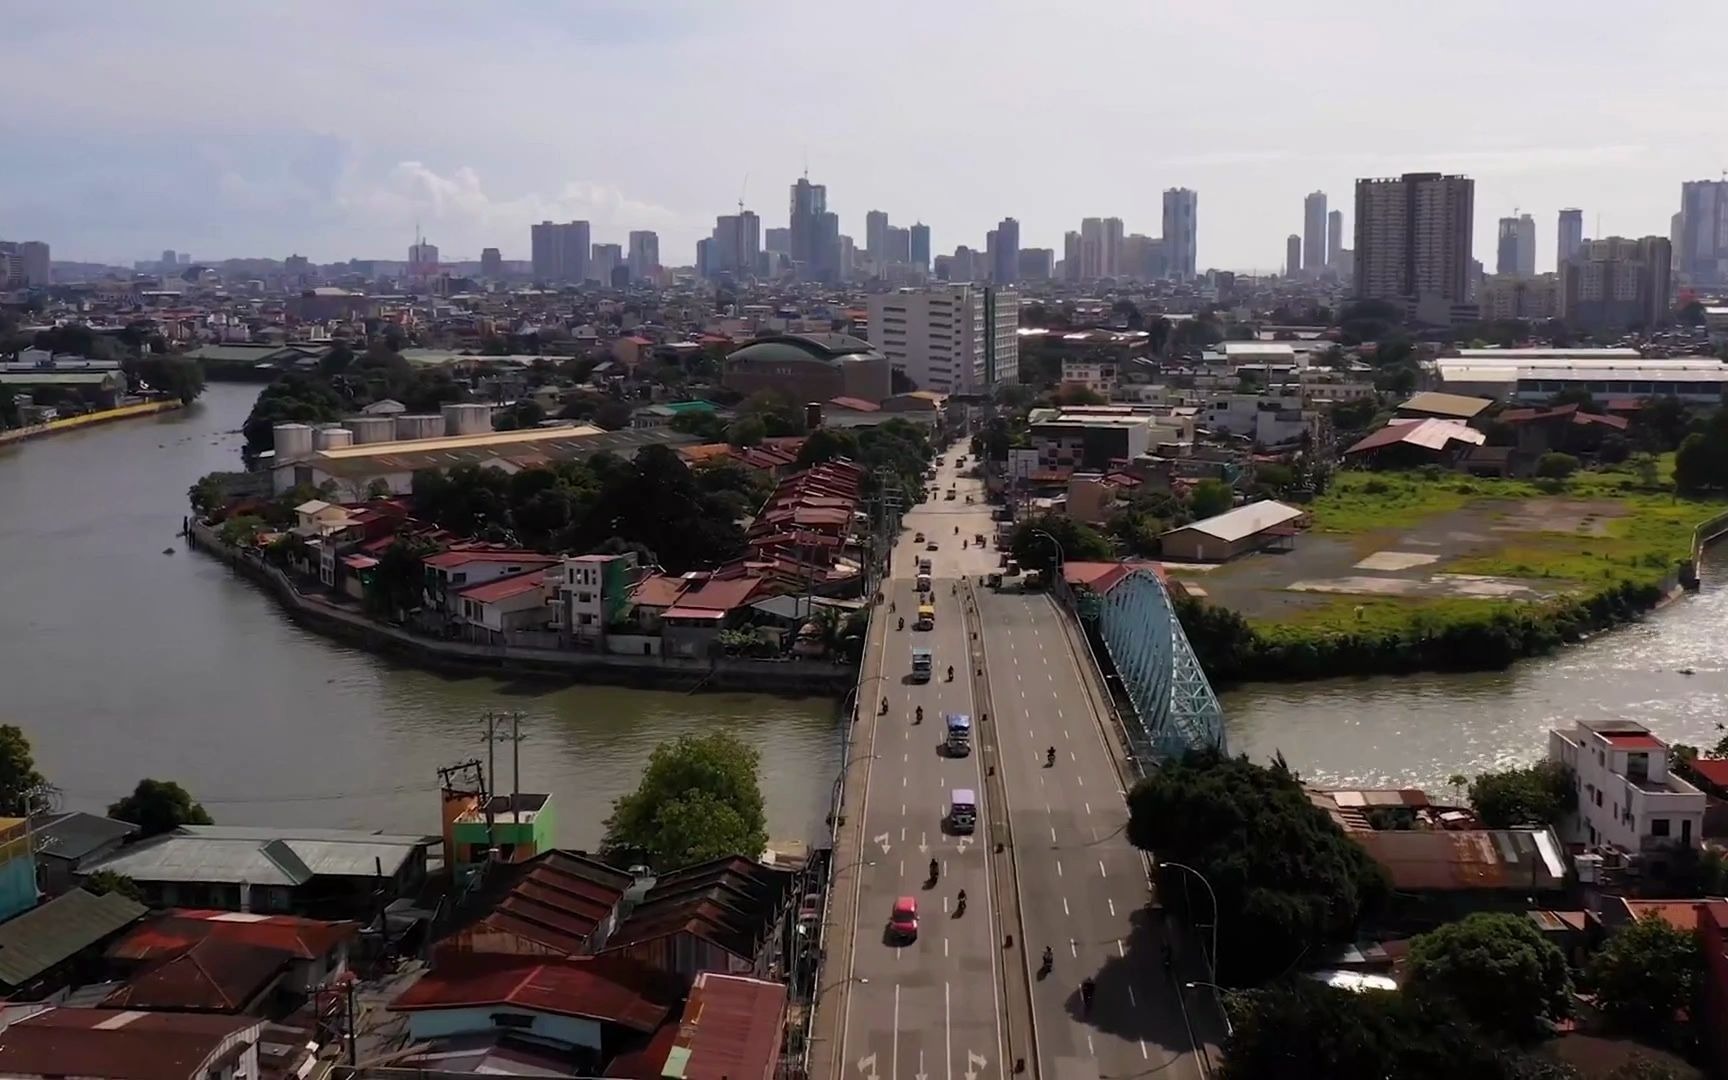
(292, 441)
(332, 438)
(419, 427)
(470, 418)
(371, 429)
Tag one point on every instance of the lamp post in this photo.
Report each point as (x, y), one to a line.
(1218, 993)
(1055, 543)
(1212, 959)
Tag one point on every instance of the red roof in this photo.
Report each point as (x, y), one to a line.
(505, 588)
(449, 560)
(556, 904)
(1101, 577)
(1563, 412)
(1680, 914)
(731, 1028)
(117, 1045)
(854, 404)
(720, 594)
(176, 931)
(659, 591)
(609, 989)
(1713, 770)
(1632, 740)
(211, 976)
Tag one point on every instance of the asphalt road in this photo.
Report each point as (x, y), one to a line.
(1084, 890)
(930, 1009)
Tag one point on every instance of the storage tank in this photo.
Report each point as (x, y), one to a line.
(472, 418)
(419, 426)
(332, 438)
(371, 429)
(292, 441)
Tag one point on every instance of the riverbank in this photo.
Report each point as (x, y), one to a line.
(88, 420)
(726, 674)
(1438, 572)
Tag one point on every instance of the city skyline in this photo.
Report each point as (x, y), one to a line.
(341, 161)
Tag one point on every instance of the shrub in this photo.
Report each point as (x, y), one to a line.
(1556, 466)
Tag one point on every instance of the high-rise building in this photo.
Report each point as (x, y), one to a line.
(34, 262)
(170, 261)
(1113, 235)
(920, 245)
(645, 255)
(604, 259)
(1314, 231)
(11, 266)
(491, 263)
(422, 259)
(1071, 247)
(1036, 264)
(560, 251)
(1142, 258)
(810, 235)
(1570, 236)
(1005, 270)
(1181, 231)
(1292, 255)
(1615, 284)
(876, 233)
(832, 263)
(1703, 249)
(1334, 238)
(778, 241)
(1506, 246)
(958, 338)
(896, 246)
(1413, 237)
(1091, 249)
(1526, 245)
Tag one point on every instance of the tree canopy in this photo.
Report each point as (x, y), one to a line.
(1032, 550)
(1286, 876)
(699, 799)
(1499, 970)
(1210, 498)
(1644, 975)
(18, 775)
(159, 806)
(1539, 794)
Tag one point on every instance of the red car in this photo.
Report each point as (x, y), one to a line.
(903, 924)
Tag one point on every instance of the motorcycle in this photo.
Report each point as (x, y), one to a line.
(884, 709)
(902, 625)
(960, 904)
(1049, 962)
(918, 717)
(1050, 758)
(1087, 990)
(950, 672)
(935, 871)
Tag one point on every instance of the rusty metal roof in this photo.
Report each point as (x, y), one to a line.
(1447, 861)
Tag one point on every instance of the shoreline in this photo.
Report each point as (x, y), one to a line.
(75, 423)
(802, 678)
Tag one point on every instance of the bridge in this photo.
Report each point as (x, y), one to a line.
(1049, 864)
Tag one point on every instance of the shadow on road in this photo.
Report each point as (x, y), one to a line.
(1137, 998)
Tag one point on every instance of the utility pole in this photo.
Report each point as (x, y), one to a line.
(492, 771)
(493, 737)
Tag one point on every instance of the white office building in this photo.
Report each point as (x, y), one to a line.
(1628, 800)
(960, 338)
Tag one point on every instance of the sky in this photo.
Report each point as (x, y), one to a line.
(330, 130)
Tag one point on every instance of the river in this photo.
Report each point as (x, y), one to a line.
(121, 662)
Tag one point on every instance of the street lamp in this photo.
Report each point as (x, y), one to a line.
(1212, 960)
(1218, 993)
(1055, 543)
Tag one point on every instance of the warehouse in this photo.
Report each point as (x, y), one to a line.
(1254, 527)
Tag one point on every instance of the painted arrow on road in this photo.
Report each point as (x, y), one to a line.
(961, 846)
(923, 843)
(920, 1074)
(883, 840)
(867, 1065)
(974, 1062)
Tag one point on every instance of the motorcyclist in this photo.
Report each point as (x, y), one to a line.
(1049, 958)
(960, 902)
(1087, 989)
(884, 704)
(902, 625)
(920, 714)
(1050, 756)
(935, 870)
(950, 672)
(956, 530)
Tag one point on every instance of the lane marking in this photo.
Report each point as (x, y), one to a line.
(1073, 949)
(1101, 871)
(1120, 952)
(1142, 1043)
(1088, 807)
(1058, 867)
(1131, 1000)
(1065, 910)
(1053, 837)
(1112, 904)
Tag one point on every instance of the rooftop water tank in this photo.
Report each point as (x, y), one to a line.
(470, 418)
(332, 438)
(417, 426)
(371, 429)
(292, 441)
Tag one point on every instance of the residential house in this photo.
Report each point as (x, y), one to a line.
(493, 610)
(505, 828)
(705, 607)
(559, 903)
(593, 593)
(66, 841)
(731, 1029)
(323, 873)
(724, 915)
(59, 943)
(211, 976)
(1563, 427)
(314, 951)
(315, 517)
(114, 1044)
(448, 573)
(1629, 802)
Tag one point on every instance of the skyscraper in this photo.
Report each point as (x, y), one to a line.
(1506, 246)
(809, 203)
(491, 263)
(33, 257)
(896, 246)
(830, 263)
(1334, 238)
(1113, 234)
(1292, 255)
(1526, 245)
(1006, 269)
(957, 338)
(876, 233)
(560, 251)
(1071, 256)
(422, 258)
(1181, 231)
(920, 244)
(1703, 251)
(1091, 249)
(1571, 235)
(644, 255)
(1413, 236)
(1314, 231)
(603, 260)
(1615, 284)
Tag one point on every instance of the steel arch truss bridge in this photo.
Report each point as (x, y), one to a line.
(1175, 708)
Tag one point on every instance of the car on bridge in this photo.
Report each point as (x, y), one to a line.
(903, 923)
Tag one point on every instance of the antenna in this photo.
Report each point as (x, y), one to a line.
(741, 192)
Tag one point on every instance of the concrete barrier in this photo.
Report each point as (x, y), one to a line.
(73, 423)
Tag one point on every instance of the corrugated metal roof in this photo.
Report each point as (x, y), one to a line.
(1429, 434)
(179, 930)
(1458, 405)
(117, 1045)
(731, 1027)
(609, 989)
(213, 853)
(44, 936)
(1245, 521)
(1444, 861)
(211, 976)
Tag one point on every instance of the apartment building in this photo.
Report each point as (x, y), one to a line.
(1096, 375)
(1413, 237)
(960, 338)
(1181, 228)
(1628, 800)
(1512, 296)
(1614, 283)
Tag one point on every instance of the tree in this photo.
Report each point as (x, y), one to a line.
(1497, 969)
(1210, 498)
(1644, 975)
(1031, 548)
(103, 882)
(1539, 794)
(1691, 315)
(699, 799)
(1076, 394)
(18, 775)
(613, 415)
(1694, 464)
(158, 806)
(1556, 466)
(1287, 878)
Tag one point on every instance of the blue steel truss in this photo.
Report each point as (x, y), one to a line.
(1176, 710)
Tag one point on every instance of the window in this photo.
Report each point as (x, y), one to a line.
(1598, 798)
(1659, 826)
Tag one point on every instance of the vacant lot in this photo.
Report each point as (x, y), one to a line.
(1401, 550)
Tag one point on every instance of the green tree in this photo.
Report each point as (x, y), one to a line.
(1539, 794)
(1695, 464)
(1497, 969)
(1210, 498)
(18, 775)
(1556, 466)
(174, 375)
(158, 806)
(210, 493)
(1075, 394)
(103, 882)
(1286, 876)
(699, 799)
(1644, 975)
(1030, 546)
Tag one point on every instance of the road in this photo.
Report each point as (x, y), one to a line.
(1084, 887)
(931, 1009)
